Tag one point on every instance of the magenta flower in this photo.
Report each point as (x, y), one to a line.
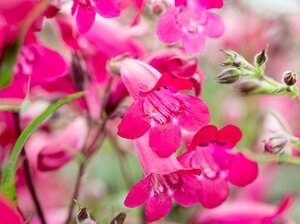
(191, 23)
(165, 179)
(177, 64)
(159, 108)
(211, 151)
(247, 212)
(86, 12)
(208, 4)
(9, 214)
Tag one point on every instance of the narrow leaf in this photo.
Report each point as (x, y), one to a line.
(8, 179)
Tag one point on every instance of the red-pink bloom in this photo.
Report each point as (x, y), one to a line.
(159, 108)
(60, 147)
(86, 12)
(247, 212)
(204, 3)
(165, 179)
(191, 23)
(176, 63)
(8, 214)
(211, 151)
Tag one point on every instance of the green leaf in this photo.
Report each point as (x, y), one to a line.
(8, 179)
(7, 63)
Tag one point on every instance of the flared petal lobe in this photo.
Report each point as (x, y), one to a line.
(107, 8)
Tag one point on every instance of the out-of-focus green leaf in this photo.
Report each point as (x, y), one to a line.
(8, 180)
(7, 63)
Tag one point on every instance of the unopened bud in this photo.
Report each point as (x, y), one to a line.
(248, 86)
(83, 216)
(261, 58)
(228, 76)
(276, 145)
(119, 219)
(289, 78)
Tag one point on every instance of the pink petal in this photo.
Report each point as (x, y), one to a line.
(157, 207)
(180, 2)
(85, 18)
(204, 136)
(165, 140)
(189, 193)
(242, 171)
(195, 114)
(214, 192)
(168, 30)
(229, 134)
(68, 32)
(59, 151)
(214, 26)
(138, 77)
(8, 214)
(133, 125)
(193, 43)
(47, 66)
(138, 194)
(211, 3)
(285, 204)
(107, 8)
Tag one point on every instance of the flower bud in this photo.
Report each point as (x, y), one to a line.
(289, 78)
(228, 76)
(276, 144)
(261, 58)
(119, 219)
(248, 86)
(83, 217)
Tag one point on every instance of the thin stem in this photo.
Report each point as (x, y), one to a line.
(275, 158)
(28, 176)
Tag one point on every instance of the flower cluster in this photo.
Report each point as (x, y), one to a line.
(112, 80)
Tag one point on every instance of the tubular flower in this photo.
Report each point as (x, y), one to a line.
(165, 179)
(211, 151)
(86, 12)
(191, 23)
(159, 108)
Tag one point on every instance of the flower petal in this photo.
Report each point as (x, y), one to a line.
(165, 140)
(138, 193)
(85, 18)
(179, 2)
(195, 114)
(108, 8)
(211, 3)
(242, 171)
(8, 214)
(168, 30)
(133, 125)
(214, 192)
(230, 135)
(138, 77)
(193, 42)
(157, 207)
(214, 26)
(204, 136)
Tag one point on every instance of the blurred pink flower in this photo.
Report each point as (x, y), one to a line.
(8, 214)
(159, 108)
(165, 179)
(211, 151)
(191, 23)
(247, 212)
(86, 12)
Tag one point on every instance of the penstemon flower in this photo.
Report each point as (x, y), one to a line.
(191, 23)
(86, 12)
(159, 108)
(165, 179)
(211, 151)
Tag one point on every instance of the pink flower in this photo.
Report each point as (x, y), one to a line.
(86, 12)
(211, 151)
(175, 63)
(165, 179)
(204, 3)
(247, 212)
(159, 108)
(191, 23)
(8, 214)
